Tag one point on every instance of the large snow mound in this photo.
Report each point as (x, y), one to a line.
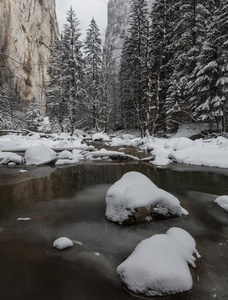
(136, 197)
(62, 243)
(222, 201)
(159, 265)
(39, 155)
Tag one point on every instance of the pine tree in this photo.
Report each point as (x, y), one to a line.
(134, 65)
(56, 106)
(221, 101)
(73, 77)
(93, 73)
(158, 47)
(34, 115)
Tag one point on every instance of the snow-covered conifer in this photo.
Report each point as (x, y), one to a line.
(93, 73)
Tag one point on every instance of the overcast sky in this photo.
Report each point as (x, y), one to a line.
(85, 10)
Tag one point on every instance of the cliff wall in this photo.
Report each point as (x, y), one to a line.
(27, 30)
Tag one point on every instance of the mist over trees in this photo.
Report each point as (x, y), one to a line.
(173, 70)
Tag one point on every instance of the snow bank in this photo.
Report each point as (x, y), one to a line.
(135, 198)
(222, 201)
(62, 243)
(37, 155)
(159, 265)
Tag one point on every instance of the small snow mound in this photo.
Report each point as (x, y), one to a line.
(39, 155)
(24, 219)
(23, 171)
(63, 162)
(159, 265)
(135, 199)
(222, 201)
(62, 243)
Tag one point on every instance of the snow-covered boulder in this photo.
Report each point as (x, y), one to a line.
(159, 265)
(9, 157)
(62, 243)
(135, 199)
(38, 155)
(222, 201)
(100, 136)
(64, 154)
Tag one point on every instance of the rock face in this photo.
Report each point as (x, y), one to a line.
(118, 16)
(27, 30)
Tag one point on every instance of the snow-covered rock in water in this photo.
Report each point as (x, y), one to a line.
(159, 265)
(62, 162)
(100, 137)
(62, 243)
(76, 154)
(222, 201)
(11, 158)
(38, 155)
(135, 199)
(64, 155)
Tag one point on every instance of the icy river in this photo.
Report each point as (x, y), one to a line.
(70, 201)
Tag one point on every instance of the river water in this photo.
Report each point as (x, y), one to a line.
(70, 201)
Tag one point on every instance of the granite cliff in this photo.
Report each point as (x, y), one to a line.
(27, 30)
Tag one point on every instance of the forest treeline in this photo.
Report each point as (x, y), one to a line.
(173, 69)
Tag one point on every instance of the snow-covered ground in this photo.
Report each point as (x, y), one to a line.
(162, 151)
(135, 192)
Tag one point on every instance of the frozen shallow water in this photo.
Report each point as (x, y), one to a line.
(71, 202)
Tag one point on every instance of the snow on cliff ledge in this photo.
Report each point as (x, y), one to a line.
(159, 265)
(135, 199)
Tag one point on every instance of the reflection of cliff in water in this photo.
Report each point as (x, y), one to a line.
(48, 183)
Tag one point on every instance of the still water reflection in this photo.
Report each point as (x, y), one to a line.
(70, 202)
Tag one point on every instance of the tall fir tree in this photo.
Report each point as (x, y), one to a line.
(134, 65)
(93, 74)
(56, 106)
(73, 76)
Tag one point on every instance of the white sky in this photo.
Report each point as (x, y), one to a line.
(85, 10)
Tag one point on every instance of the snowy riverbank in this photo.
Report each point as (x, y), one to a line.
(161, 151)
